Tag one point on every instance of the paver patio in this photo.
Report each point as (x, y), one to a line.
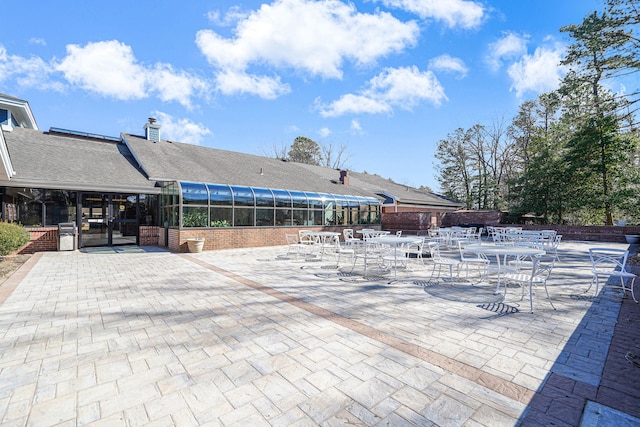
(139, 336)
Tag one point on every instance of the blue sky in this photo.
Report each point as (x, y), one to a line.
(387, 79)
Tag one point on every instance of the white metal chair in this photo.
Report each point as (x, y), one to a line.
(293, 245)
(610, 262)
(469, 258)
(340, 250)
(347, 235)
(538, 275)
(308, 242)
(553, 246)
(394, 257)
(368, 252)
(439, 260)
(415, 250)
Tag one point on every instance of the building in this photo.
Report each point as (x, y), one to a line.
(145, 190)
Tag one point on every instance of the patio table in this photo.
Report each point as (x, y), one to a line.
(504, 250)
(395, 242)
(323, 239)
(368, 234)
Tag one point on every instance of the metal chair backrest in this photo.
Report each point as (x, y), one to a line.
(605, 260)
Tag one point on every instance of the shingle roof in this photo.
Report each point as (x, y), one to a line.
(65, 162)
(186, 162)
(50, 160)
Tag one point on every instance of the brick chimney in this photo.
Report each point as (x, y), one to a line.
(152, 130)
(344, 177)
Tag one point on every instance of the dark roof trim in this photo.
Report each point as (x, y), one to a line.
(74, 186)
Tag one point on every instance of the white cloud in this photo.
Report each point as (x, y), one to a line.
(325, 132)
(356, 127)
(27, 72)
(510, 46)
(403, 87)
(447, 63)
(38, 40)
(110, 68)
(353, 104)
(231, 82)
(183, 130)
(455, 13)
(538, 73)
(312, 37)
(230, 18)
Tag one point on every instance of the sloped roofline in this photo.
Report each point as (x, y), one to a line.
(20, 109)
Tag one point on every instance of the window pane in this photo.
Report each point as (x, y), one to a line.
(170, 216)
(264, 217)
(24, 206)
(263, 197)
(328, 201)
(220, 194)
(283, 217)
(243, 217)
(342, 210)
(299, 199)
(315, 200)
(194, 193)
(170, 194)
(300, 217)
(149, 209)
(242, 196)
(194, 217)
(60, 207)
(283, 198)
(221, 217)
(316, 217)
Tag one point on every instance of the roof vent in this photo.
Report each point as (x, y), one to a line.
(152, 130)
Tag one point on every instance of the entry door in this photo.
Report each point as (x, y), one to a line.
(108, 219)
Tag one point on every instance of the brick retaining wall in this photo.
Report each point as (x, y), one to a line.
(412, 222)
(232, 237)
(42, 239)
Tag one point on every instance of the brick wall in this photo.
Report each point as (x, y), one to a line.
(42, 239)
(149, 235)
(596, 233)
(485, 217)
(407, 221)
(412, 222)
(230, 238)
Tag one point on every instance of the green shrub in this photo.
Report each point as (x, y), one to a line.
(12, 237)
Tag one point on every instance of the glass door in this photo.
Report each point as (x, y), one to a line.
(108, 219)
(124, 225)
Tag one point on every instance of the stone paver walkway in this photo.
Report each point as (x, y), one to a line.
(251, 337)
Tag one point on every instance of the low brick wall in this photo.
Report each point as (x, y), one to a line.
(232, 237)
(412, 222)
(149, 235)
(42, 239)
(596, 233)
(485, 217)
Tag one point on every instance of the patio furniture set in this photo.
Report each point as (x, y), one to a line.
(513, 256)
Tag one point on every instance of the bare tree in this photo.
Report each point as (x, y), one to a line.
(276, 151)
(334, 158)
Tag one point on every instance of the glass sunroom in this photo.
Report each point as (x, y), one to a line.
(200, 205)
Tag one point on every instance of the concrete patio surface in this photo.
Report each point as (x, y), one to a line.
(251, 337)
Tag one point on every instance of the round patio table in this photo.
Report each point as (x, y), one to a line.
(395, 241)
(504, 250)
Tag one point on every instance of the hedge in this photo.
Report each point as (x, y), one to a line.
(12, 237)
